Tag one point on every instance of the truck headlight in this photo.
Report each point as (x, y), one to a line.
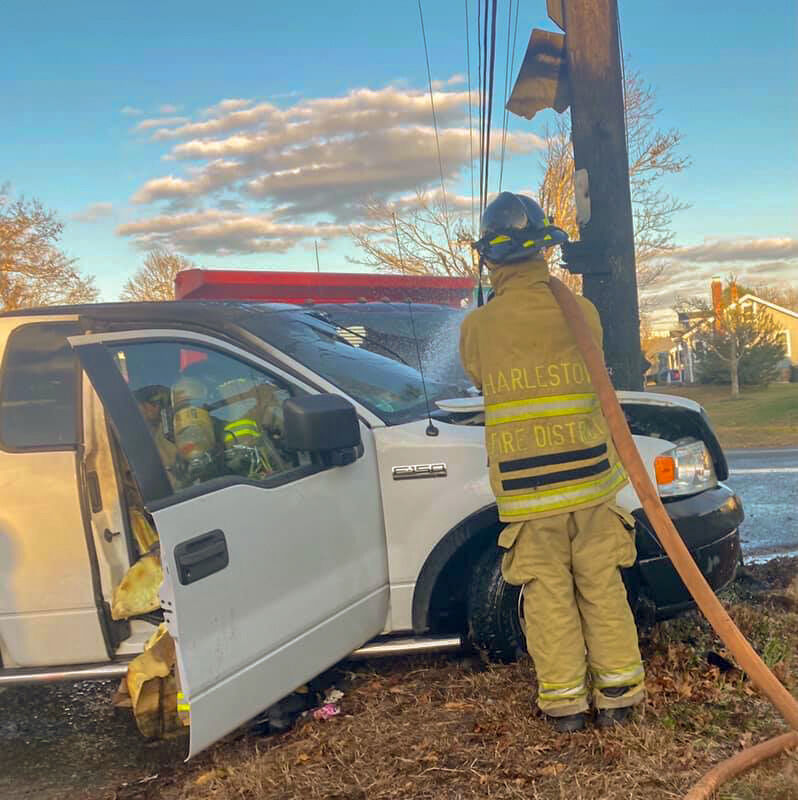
(686, 469)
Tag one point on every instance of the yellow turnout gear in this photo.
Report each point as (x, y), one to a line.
(548, 446)
(555, 475)
(575, 600)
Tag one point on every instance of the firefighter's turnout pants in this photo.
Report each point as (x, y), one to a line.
(579, 629)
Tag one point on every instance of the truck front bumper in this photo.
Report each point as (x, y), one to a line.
(709, 525)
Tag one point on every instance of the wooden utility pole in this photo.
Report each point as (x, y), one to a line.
(605, 254)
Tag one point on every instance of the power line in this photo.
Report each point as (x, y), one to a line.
(507, 84)
(506, 79)
(470, 117)
(490, 87)
(481, 76)
(434, 118)
(398, 242)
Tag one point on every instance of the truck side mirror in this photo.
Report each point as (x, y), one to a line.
(322, 424)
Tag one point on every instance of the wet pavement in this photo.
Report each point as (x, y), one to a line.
(67, 741)
(767, 482)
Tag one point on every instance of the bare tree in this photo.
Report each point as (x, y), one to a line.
(33, 270)
(653, 153)
(418, 238)
(785, 296)
(155, 279)
(425, 238)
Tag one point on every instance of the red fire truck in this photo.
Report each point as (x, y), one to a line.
(301, 288)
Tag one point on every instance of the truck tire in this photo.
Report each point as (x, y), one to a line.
(494, 624)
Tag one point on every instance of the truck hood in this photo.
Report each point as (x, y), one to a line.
(473, 405)
(662, 417)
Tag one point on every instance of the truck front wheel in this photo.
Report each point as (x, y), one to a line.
(494, 609)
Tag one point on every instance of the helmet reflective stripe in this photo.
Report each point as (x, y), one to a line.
(553, 499)
(562, 405)
(626, 676)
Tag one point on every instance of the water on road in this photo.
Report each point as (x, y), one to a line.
(767, 483)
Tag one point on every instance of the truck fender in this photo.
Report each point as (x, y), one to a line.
(455, 541)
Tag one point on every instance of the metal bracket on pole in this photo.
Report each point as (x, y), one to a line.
(543, 78)
(581, 259)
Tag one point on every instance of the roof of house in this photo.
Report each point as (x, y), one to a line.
(767, 303)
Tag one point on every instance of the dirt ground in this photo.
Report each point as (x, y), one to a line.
(461, 728)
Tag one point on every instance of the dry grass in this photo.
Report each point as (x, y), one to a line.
(459, 728)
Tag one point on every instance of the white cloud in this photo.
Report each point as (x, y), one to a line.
(753, 262)
(223, 232)
(455, 80)
(316, 158)
(739, 250)
(130, 111)
(230, 104)
(94, 212)
(168, 109)
(158, 122)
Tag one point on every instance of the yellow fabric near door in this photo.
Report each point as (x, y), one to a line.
(138, 592)
(143, 532)
(152, 687)
(579, 628)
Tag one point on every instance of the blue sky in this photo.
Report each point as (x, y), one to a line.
(76, 79)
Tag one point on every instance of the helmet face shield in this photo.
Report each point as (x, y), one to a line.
(514, 228)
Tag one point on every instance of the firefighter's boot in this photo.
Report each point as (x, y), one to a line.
(568, 724)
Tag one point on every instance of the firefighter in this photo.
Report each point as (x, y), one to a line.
(555, 475)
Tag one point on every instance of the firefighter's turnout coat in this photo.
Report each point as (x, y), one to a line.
(549, 449)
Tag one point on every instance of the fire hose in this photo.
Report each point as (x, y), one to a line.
(705, 598)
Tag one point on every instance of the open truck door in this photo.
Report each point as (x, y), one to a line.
(274, 556)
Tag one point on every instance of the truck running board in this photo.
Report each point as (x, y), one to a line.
(407, 645)
(379, 648)
(78, 672)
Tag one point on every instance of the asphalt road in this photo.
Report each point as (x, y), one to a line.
(53, 739)
(767, 483)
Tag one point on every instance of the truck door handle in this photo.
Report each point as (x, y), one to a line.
(201, 556)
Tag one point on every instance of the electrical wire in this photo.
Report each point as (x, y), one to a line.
(434, 117)
(470, 117)
(482, 28)
(506, 79)
(508, 84)
(490, 71)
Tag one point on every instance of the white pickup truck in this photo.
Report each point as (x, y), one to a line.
(371, 528)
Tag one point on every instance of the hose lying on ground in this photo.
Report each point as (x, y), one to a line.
(677, 551)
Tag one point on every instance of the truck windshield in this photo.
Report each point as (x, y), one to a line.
(392, 390)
